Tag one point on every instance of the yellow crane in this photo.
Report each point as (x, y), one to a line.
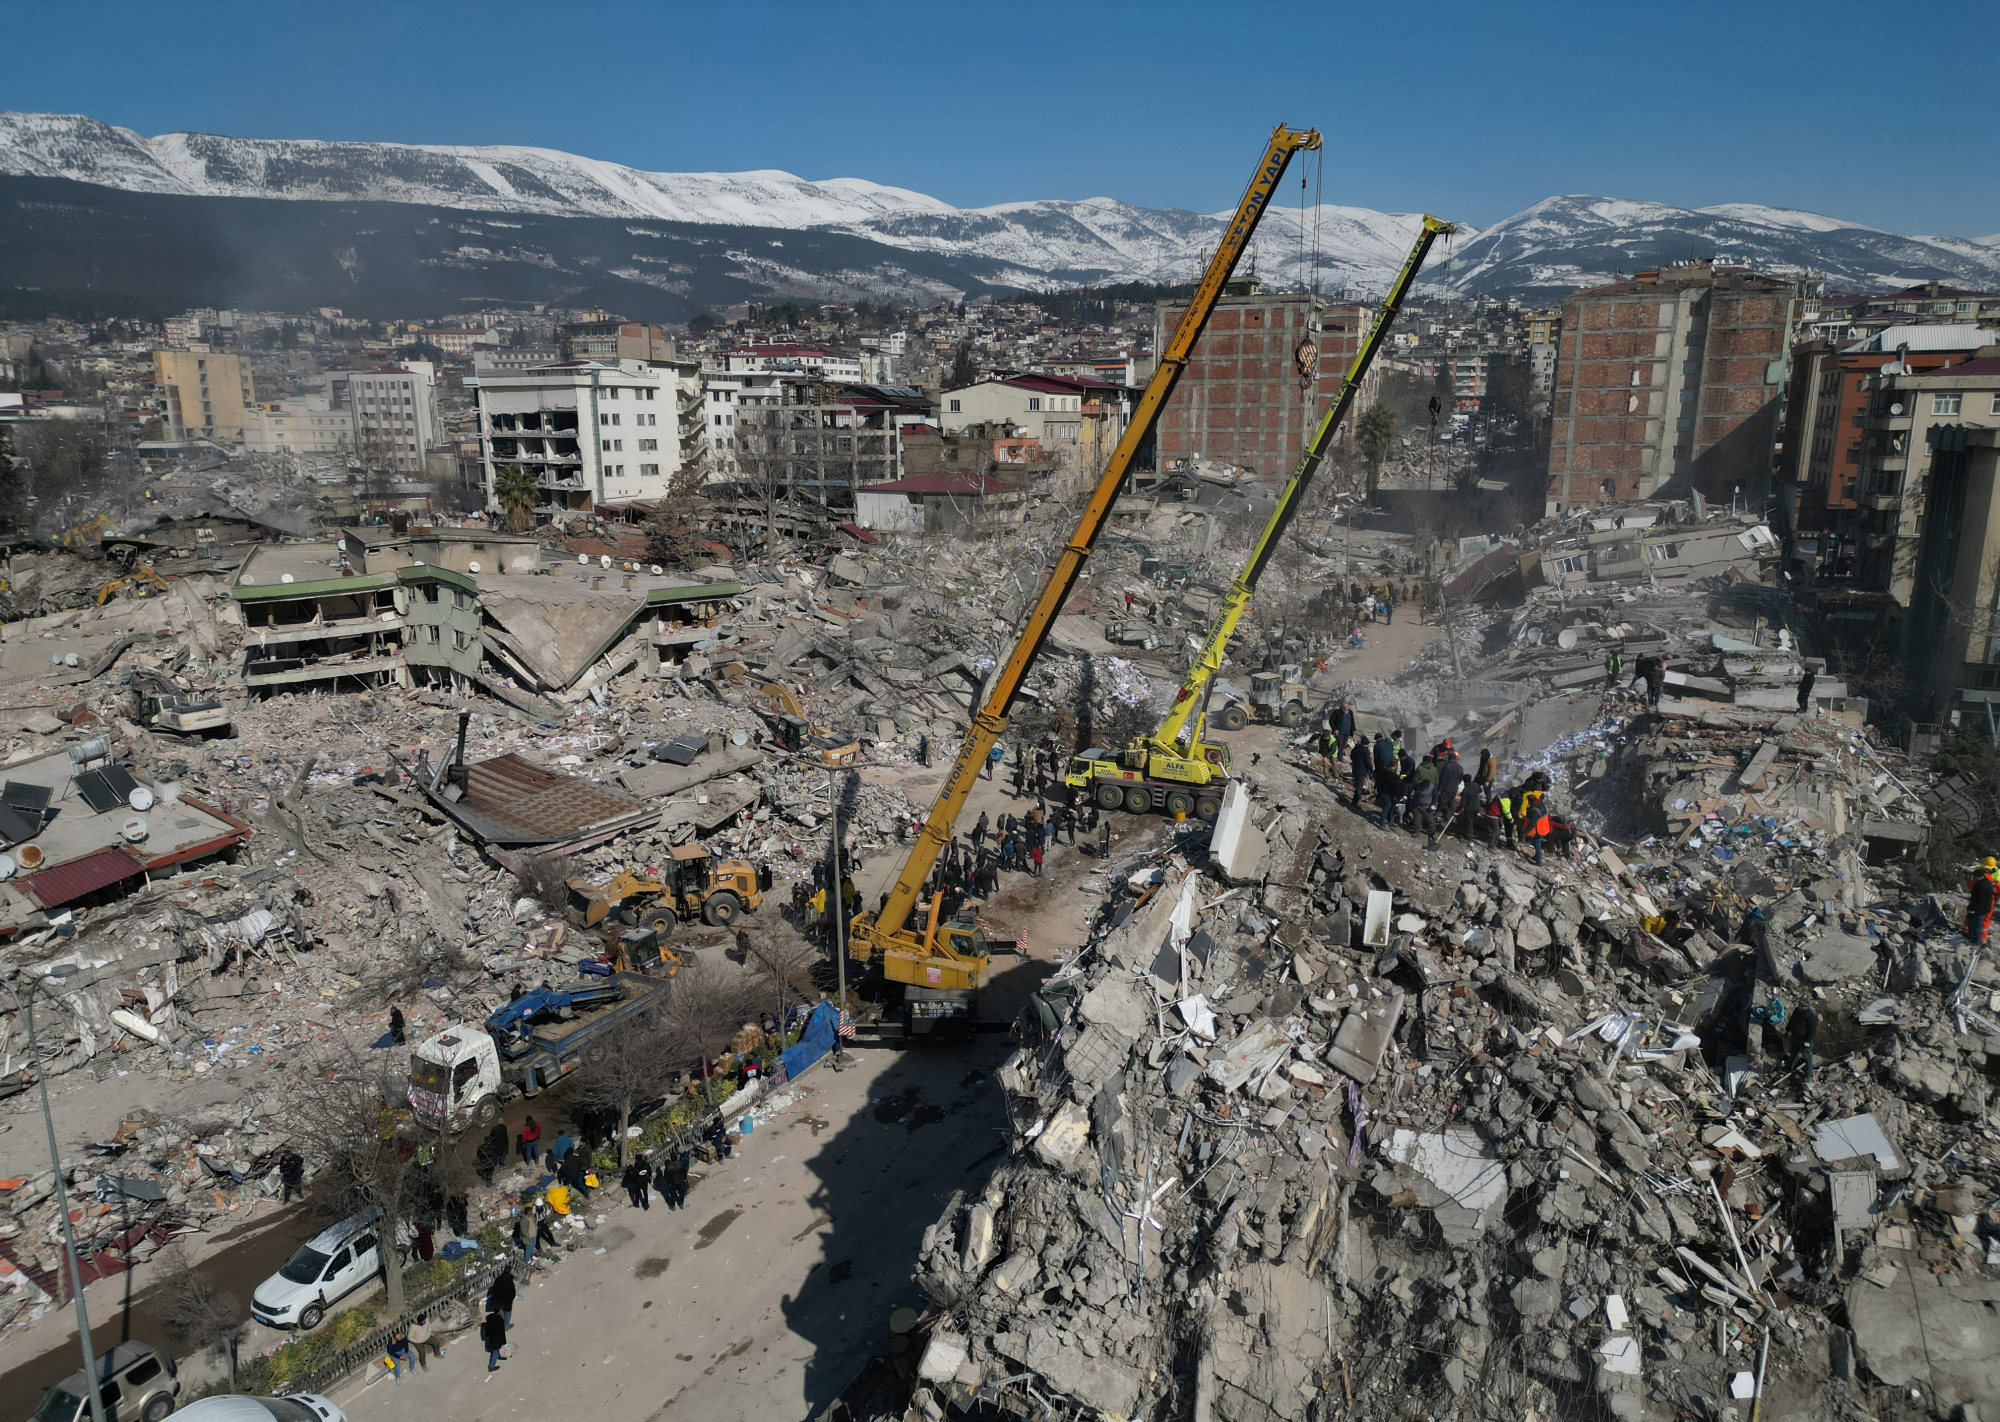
(938, 966)
(1157, 772)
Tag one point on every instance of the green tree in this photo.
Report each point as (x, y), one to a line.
(1374, 433)
(963, 371)
(517, 493)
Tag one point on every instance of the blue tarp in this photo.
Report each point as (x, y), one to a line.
(815, 1042)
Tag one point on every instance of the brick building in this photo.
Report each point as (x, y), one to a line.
(1240, 400)
(1675, 377)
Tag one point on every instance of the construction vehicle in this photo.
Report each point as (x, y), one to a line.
(1175, 770)
(162, 706)
(935, 967)
(779, 705)
(132, 574)
(461, 1077)
(1276, 698)
(696, 885)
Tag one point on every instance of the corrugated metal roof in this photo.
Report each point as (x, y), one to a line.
(87, 874)
(509, 800)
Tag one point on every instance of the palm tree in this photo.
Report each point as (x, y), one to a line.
(1374, 433)
(517, 492)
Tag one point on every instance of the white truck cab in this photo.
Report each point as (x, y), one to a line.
(455, 1078)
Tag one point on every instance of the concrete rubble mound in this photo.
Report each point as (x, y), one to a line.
(1353, 1129)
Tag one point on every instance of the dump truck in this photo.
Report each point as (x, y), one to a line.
(696, 885)
(930, 967)
(461, 1077)
(159, 705)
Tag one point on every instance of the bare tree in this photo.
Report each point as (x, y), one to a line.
(625, 1068)
(196, 1312)
(704, 1007)
(345, 1112)
(545, 879)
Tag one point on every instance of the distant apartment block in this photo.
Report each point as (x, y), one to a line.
(1675, 377)
(592, 432)
(616, 340)
(202, 394)
(821, 361)
(1078, 416)
(394, 410)
(298, 424)
(1242, 400)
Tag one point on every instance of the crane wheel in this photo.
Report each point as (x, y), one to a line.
(721, 910)
(1293, 713)
(1232, 718)
(1207, 807)
(1109, 797)
(1137, 801)
(1180, 804)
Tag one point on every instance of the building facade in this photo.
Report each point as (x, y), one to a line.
(1242, 400)
(202, 394)
(1675, 377)
(592, 432)
(820, 361)
(297, 424)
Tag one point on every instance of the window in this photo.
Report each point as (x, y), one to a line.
(145, 1372)
(430, 632)
(611, 392)
(1943, 403)
(1664, 552)
(203, 365)
(650, 392)
(1996, 406)
(461, 599)
(430, 592)
(647, 446)
(957, 408)
(460, 639)
(1034, 402)
(606, 450)
(648, 470)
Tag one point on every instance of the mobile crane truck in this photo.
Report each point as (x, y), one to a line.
(935, 968)
(460, 1077)
(1158, 772)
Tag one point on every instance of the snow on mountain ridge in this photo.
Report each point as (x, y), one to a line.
(1560, 241)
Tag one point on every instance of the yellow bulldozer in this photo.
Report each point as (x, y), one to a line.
(696, 885)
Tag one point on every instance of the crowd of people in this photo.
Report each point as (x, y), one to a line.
(1435, 794)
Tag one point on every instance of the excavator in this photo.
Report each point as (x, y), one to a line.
(1158, 772)
(934, 966)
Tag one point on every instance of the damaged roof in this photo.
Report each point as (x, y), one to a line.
(511, 800)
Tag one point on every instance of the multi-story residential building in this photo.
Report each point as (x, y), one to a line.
(1078, 417)
(1933, 301)
(818, 361)
(452, 340)
(394, 410)
(1824, 457)
(485, 362)
(1242, 400)
(1541, 369)
(1470, 371)
(1542, 328)
(593, 432)
(1938, 554)
(298, 424)
(202, 393)
(1675, 377)
(616, 340)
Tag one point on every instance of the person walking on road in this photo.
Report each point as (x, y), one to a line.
(978, 835)
(635, 1180)
(292, 1175)
(1613, 664)
(396, 1025)
(1656, 676)
(493, 1333)
(531, 1141)
(1805, 690)
(500, 1294)
(1361, 765)
(1035, 858)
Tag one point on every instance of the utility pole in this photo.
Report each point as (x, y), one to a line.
(837, 903)
(27, 1009)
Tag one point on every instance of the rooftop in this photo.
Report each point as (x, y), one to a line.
(955, 481)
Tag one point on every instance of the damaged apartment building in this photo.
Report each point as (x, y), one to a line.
(460, 608)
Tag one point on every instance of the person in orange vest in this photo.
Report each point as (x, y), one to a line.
(1980, 891)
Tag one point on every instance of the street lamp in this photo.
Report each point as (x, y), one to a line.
(27, 1009)
(836, 900)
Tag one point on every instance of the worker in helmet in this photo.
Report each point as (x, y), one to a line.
(1980, 892)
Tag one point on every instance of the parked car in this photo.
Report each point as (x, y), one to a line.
(240, 1407)
(328, 1267)
(137, 1382)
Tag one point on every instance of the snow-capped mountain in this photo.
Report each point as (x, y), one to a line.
(1553, 246)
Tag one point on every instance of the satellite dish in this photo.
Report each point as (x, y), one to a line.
(135, 828)
(70, 659)
(1567, 638)
(249, 582)
(473, 566)
(739, 737)
(30, 855)
(654, 570)
(284, 577)
(140, 799)
(1897, 408)
(7, 866)
(583, 557)
(604, 560)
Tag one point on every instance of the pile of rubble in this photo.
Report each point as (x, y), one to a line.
(1385, 1133)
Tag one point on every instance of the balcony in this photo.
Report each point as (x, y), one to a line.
(1883, 503)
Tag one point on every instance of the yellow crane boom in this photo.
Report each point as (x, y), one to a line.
(1166, 738)
(923, 960)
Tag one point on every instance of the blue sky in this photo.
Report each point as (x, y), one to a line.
(1870, 112)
